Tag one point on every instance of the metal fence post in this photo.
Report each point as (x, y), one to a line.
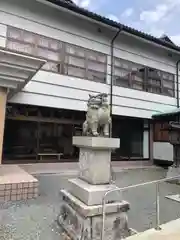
(117, 189)
(103, 216)
(157, 207)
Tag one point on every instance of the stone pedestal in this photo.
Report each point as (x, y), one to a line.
(81, 210)
(95, 158)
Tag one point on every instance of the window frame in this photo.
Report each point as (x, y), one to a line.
(147, 80)
(160, 131)
(61, 65)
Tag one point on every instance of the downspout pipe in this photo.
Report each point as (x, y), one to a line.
(111, 74)
(177, 81)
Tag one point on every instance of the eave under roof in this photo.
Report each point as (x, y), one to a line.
(75, 8)
(173, 112)
(16, 70)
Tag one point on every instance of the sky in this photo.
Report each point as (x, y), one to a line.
(156, 17)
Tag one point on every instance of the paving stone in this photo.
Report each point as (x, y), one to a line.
(36, 218)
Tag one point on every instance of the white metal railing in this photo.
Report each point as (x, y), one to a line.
(120, 190)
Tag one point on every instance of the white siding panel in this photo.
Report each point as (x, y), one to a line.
(132, 112)
(3, 30)
(64, 87)
(2, 42)
(48, 101)
(146, 144)
(72, 82)
(163, 151)
(55, 90)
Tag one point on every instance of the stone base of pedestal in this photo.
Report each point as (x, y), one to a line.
(81, 221)
(173, 172)
(175, 197)
(92, 194)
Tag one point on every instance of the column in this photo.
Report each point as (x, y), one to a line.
(3, 98)
(146, 140)
(151, 143)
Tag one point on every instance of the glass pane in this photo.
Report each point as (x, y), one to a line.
(154, 82)
(28, 37)
(168, 92)
(154, 90)
(50, 66)
(92, 56)
(43, 41)
(20, 47)
(129, 74)
(75, 50)
(96, 66)
(96, 76)
(48, 54)
(102, 58)
(168, 84)
(137, 85)
(167, 76)
(122, 63)
(137, 74)
(14, 33)
(121, 82)
(153, 73)
(55, 44)
(79, 62)
(96, 56)
(121, 73)
(74, 71)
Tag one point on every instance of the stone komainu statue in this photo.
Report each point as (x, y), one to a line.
(98, 118)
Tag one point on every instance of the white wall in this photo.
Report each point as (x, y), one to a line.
(163, 151)
(53, 90)
(146, 144)
(3, 30)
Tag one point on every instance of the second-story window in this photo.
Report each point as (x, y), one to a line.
(128, 74)
(136, 76)
(160, 82)
(85, 63)
(63, 58)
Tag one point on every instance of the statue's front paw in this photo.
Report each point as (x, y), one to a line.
(106, 134)
(95, 134)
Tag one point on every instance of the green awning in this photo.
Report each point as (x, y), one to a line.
(173, 112)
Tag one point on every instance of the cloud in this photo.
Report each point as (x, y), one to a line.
(161, 18)
(157, 32)
(176, 39)
(155, 15)
(85, 3)
(76, 2)
(82, 3)
(128, 12)
(160, 12)
(113, 17)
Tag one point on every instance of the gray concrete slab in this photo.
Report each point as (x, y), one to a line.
(175, 197)
(36, 219)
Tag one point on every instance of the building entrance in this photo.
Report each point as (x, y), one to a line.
(31, 130)
(130, 132)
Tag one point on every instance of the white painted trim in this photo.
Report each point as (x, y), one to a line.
(10, 62)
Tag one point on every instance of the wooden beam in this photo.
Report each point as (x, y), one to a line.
(46, 120)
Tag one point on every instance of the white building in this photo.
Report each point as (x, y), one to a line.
(85, 52)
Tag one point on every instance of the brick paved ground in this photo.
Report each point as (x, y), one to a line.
(35, 219)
